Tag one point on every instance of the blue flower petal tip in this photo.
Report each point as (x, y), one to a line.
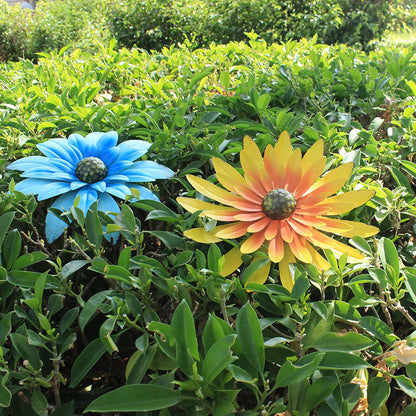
(87, 169)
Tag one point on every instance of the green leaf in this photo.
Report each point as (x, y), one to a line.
(291, 373)
(377, 328)
(91, 306)
(24, 278)
(29, 259)
(106, 330)
(389, 257)
(86, 360)
(334, 360)
(171, 240)
(39, 402)
(73, 266)
(319, 323)
(214, 254)
(184, 334)
(11, 248)
(378, 392)
(26, 351)
(218, 358)
(212, 333)
(348, 342)
(135, 398)
(5, 396)
(250, 336)
(94, 228)
(319, 391)
(406, 385)
(138, 364)
(5, 222)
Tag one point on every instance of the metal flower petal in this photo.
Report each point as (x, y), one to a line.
(87, 169)
(281, 205)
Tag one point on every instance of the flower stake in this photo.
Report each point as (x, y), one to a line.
(88, 169)
(280, 205)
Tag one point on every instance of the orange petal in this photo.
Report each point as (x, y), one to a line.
(307, 220)
(339, 204)
(323, 241)
(231, 179)
(317, 259)
(352, 228)
(286, 232)
(284, 270)
(314, 153)
(217, 212)
(233, 230)
(293, 170)
(319, 194)
(259, 225)
(300, 250)
(272, 230)
(212, 191)
(276, 249)
(310, 177)
(252, 216)
(252, 164)
(202, 236)
(298, 227)
(253, 243)
(232, 261)
(340, 172)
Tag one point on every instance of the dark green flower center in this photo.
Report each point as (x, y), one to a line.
(278, 204)
(91, 170)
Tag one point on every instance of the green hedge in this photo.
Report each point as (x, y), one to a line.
(154, 24)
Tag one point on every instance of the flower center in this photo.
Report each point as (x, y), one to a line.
(278, 204)
(91, 170)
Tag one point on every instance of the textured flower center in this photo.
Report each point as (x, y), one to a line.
(278, 204)
(91, 170)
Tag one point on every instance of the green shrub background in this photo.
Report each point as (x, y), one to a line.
(156, 24)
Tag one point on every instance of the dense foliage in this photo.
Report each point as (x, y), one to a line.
(149, 324)
(153, 24)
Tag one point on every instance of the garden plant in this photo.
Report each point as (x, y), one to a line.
(208, 231)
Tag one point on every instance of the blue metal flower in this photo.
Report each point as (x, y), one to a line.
(92, 168)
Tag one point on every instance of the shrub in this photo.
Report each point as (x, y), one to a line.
(60, 23)
(16, 25)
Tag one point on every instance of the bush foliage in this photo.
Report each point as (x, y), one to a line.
(155, 24)
(149, 324)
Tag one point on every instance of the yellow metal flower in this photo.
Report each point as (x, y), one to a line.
(283, 202)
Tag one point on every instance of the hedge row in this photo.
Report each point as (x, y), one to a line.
(154, 24)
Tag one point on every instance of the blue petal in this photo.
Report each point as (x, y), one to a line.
(86, 147)
(107, 151)
(47, 173)
(109, 156)
(119, 165)
(148, 169)
(29, 162)
(59, 148)
(77, 184)
(54, 226)
(118, 189)
(42, 187)
(107, 140)
(133, 149)
(107, 204)
(145, 193)
(87, 197)
(117, 177)
(99, 186)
